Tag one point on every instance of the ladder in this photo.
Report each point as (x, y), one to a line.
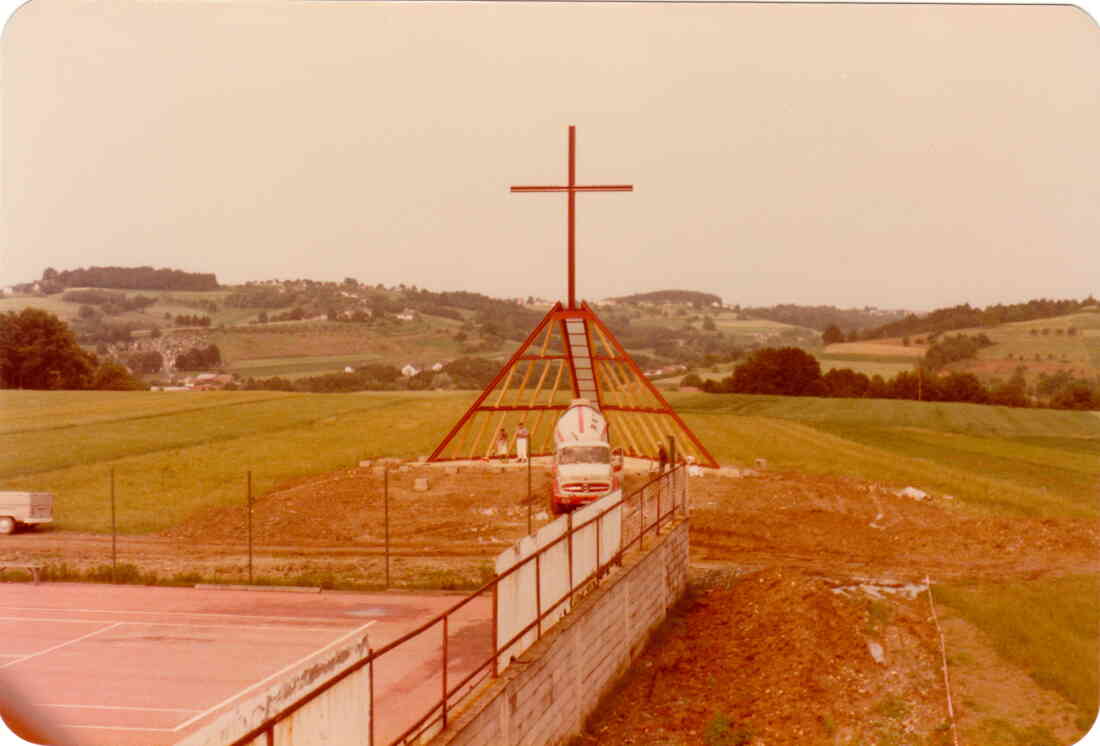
(576, 334)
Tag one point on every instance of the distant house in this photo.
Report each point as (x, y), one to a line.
(437, 367)
(409, 370)
(407, 315)
(349, 369)
(208, 381)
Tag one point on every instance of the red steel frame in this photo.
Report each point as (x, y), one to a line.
(561, 315)
(665, 408)
(550, 316)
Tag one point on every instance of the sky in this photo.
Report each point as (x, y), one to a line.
(899, 156)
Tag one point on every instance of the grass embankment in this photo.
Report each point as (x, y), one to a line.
(994, 459)
(176, 452)
(1050, 628)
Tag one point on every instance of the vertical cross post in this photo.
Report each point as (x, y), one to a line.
(571, 189)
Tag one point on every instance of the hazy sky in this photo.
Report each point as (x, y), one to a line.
(892, 155)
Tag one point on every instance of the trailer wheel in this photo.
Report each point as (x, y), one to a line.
(7, 525)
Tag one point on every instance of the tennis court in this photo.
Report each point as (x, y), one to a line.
(125, 665)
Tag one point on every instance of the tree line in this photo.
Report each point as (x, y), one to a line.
(199, 358)
(464, 373)
(39, 351)
(686, 297)
(790, 371)
(127, 278)
(108, 302)
(189, 320)
(965, 316)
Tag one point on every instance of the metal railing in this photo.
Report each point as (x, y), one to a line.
(645, 512)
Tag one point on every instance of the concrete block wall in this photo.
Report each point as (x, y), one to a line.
(546, 694)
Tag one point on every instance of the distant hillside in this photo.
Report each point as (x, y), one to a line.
(822, 317)
(688, 297)
(965, 316)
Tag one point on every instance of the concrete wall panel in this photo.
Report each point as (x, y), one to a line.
(344, 709)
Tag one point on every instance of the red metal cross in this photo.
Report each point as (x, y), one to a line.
(572, 188)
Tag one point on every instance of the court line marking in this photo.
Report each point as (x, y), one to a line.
(275, 675)
(177, 613)
(117, 707)
(61, 645)
(119, 727)
(171, 624)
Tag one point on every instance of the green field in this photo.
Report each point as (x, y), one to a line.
(1015, 344)
(1002, 459)
(177, 452)
(1049, 628)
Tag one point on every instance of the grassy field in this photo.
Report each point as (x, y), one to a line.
(1050, 349)
(1013, 461)
(177, 452)
(1048, 627)
(878, 350)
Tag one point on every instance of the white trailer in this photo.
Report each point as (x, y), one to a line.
(24, 509)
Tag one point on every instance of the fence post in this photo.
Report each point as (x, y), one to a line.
(672, 460)
(538, 592)
(114, 531)
(445, 618)
(599, 549)
(659, 508)
(386, 503)
(529, 526)
(570, 518)
(370, 734)
(641, 518)
(496, 639)
(250, 527)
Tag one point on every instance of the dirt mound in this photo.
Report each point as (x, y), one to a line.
(840, 523)
(475, 509)
(784, 656)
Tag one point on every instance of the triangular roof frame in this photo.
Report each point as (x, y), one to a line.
(570, 354)
(577, 345)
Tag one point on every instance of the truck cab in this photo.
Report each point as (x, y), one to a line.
(585, 466)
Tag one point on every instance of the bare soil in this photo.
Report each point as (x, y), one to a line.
(808, 621)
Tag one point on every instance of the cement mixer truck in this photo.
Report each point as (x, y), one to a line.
(585, 468)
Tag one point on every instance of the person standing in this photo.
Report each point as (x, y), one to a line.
(521, 442)
(662, 459)
(502, 444)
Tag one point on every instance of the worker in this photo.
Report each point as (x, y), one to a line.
(502, 444)
(521, 442)
(662, 459)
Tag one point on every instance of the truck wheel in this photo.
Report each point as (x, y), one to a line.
(7, 525)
